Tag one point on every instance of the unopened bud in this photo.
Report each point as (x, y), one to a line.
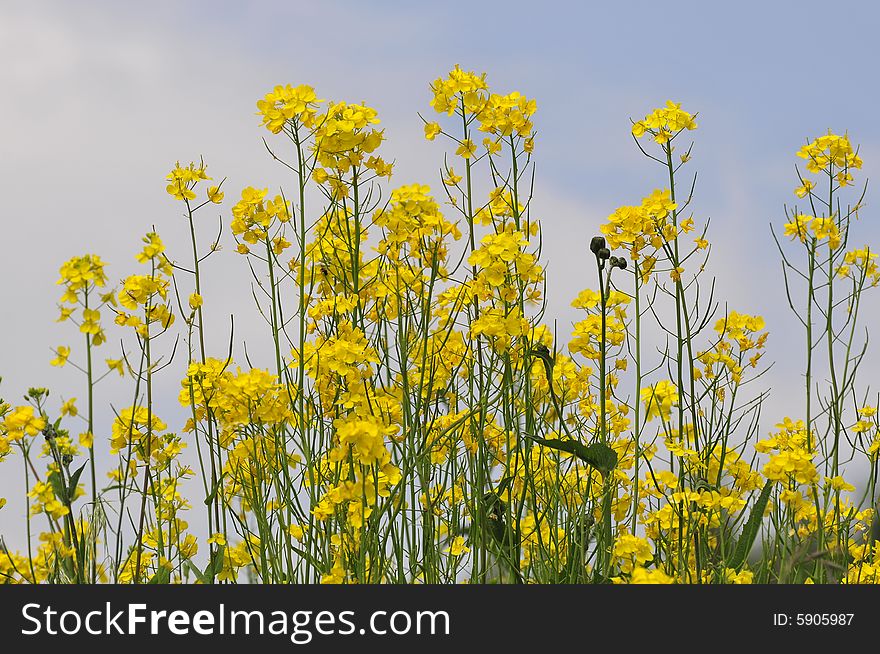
(603, 253)
(597, 244)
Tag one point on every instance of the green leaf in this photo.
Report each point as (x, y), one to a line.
(213, 493)
(58, 487)
(74, 480)
(190, 566)
(214, 567)
(162, 576)
(751, 528)
(597, 455)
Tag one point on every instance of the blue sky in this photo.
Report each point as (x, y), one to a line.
(100, 98)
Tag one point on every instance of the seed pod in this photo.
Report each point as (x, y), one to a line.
(597, 244)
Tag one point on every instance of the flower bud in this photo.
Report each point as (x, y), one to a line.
(621, 263)
(603, 253)
(597, 244)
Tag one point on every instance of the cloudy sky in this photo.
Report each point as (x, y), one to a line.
(99, 99)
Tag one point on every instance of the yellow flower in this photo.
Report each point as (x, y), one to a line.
(839, 484)
(642, 575)
(86, 439)
(285, 104)
(69, 408)
(21, 422)
(451, 178)
(804, 190)
(195, 301)
(218, 539)
(183, 179)
(62, 352)
(215, 195)
(297, 531)
(659, 399)
(431, 131)
(466, 149)
(457, 548)
(664, 123)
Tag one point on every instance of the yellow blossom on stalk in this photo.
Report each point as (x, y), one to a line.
(506, 115)
(830, 152)
(366, 438)
(431, 131)
(466, 149)
(738, 327)
(297, 531)
(44, 501)
(451, 178)
(664, 123)
(500, 255)
(824, 227)
(285, 104)
(500, 326)
(415, 229)
(344, 135)
(195, 301)
(863, 261)
(805, 189)
(659, 399)
(254, 215)
(217, 539)
(80, 273)
(458, 548)
(68, 408)
(62, 353)
(792, 461)
(82, 276)
(459, 88)
(839, 484)
(21, 422)
(632, 551)
(642, 575)
(636, 227)
(139, 290)
(116, 364)
(183, 179)
(799, 226)
(215, 195)
(139, 428)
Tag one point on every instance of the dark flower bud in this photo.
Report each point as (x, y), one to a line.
(604, 253)
(597, 244)
(67, 459)
(621, 263)
(613, 262)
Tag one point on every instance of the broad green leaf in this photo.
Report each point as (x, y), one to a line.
(74, 480)
(162, 576)
(58, 487)
(751, 528)
(599, 456)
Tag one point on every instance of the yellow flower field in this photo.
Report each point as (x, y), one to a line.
(423, 419)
